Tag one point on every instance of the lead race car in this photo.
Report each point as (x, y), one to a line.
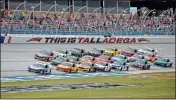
(148, 51)
(40, 68)
(46, 55)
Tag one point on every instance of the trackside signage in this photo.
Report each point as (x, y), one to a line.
(87, 39)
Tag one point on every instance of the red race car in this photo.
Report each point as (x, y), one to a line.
(128, 51)
(103, 58)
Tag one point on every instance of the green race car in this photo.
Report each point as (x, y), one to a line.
(164, 62)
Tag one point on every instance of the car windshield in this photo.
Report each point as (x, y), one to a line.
(102, 63)
(87, 57)
(39, 65)
(46, 52)
(61, 51)
(67, 64)
(140, 62)
(104, 57)
(86, 64)
(120, 56)
(148, 49)
(60, 58)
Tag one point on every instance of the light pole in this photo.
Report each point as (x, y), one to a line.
(138, 11)
(16, 11)
(89, 18)
(3, 2)
(33, 8)
(119, 18)
(148, 14)
(63, 13)
(77, 14)
(51, 8)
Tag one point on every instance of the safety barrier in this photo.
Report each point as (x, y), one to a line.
(85, 39)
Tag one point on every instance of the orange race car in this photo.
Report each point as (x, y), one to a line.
(67, 67)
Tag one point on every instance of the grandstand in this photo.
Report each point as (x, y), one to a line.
(84, 17)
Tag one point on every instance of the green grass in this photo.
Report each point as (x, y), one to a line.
(152, 87)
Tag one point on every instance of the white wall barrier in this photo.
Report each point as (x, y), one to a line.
(87, 39)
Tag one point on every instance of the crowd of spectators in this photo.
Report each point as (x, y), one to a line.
(86, 22)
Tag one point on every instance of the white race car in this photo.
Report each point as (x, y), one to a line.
(102, 66)
(40, 68)
(148, 51)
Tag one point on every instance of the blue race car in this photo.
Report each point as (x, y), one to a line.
(40, 68)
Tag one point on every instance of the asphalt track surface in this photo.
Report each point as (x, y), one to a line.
(15, 58)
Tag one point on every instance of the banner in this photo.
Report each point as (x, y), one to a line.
(88, 39)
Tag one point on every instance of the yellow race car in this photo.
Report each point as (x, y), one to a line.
(111, 51)
(86, 66)
(67, 67)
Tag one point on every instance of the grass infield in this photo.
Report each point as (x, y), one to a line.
(151, 85)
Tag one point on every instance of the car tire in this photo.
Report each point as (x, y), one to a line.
(48, 59)
(49, 72)
(148, 67)
(170, 65)
(127, 68)
(76, 70)
(69, 71)
(29, 70)
(165, 65)
(94, 70)
(42, 72)
(89, 70)
(120, 69)
(143, 67)
(109, 69)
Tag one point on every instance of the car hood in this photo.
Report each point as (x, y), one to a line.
(36, 67)
(101, 66)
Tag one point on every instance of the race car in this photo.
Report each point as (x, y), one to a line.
(72, 59)
(141, 64)
(93, 52)
(59, 60)
(164, 62)
(67, 67)
(111, 51)
(103, 58)
(119, 57)
(62, 52)
(147, 51)
(135, 57)
(120, 65)
(40, 68)
(103, 66)
(87, 58)
(128, 51)
(76, 52)
(150, 57)
(86, 66)
(45, 55)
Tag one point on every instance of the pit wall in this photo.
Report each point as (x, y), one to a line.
(84, 39)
